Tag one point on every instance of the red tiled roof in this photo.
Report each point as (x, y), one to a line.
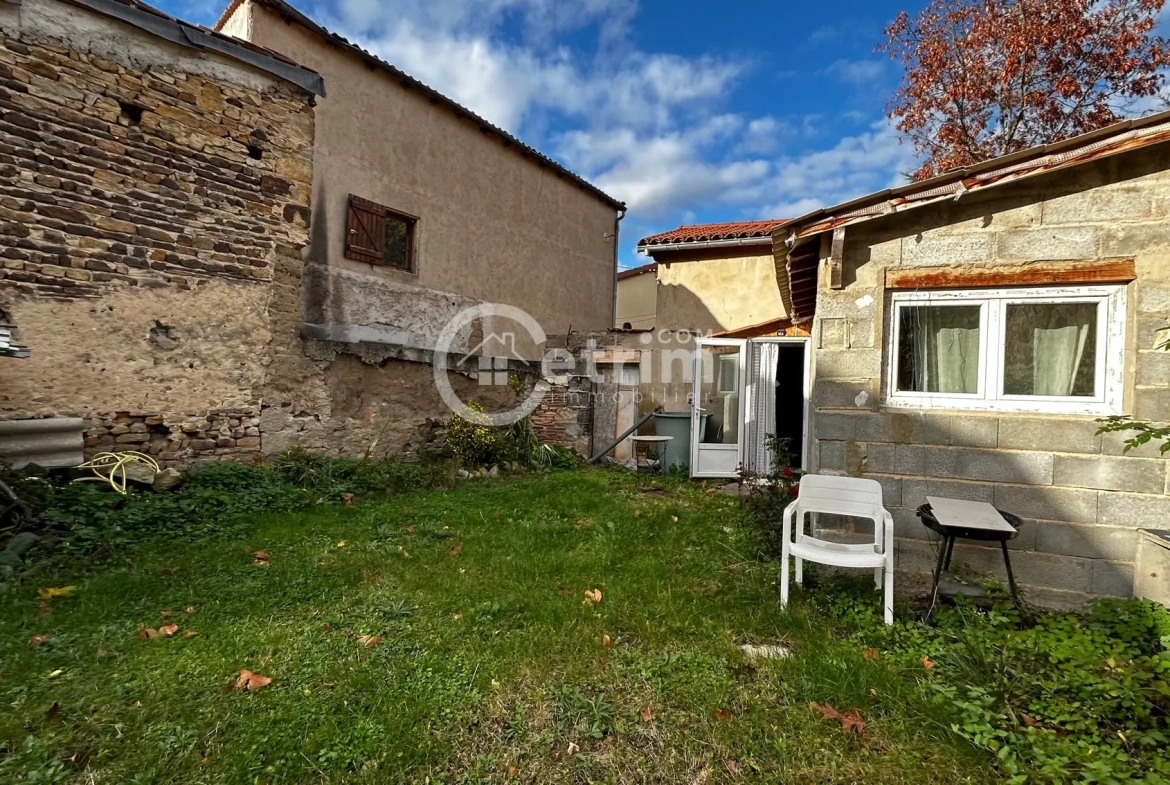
(707, 232)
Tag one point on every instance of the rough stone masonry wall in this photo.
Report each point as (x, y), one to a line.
(153, 208)
(1082, 499)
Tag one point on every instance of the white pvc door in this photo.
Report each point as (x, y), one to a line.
(717, 415)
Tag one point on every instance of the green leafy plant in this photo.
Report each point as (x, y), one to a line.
(766, 495)
(1069, 697)
(474, 444)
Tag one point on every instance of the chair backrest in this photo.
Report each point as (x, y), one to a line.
(852, 496)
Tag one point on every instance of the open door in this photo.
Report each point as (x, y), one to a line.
(717, 407)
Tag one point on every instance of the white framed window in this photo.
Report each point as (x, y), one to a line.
(1057, 350)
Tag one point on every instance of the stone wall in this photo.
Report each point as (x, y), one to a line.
(1082, 499)
(153, 208)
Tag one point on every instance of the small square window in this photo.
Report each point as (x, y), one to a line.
(377, 235)
(1052, 349)
(938, 349)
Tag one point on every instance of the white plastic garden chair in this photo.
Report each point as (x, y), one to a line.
(849, 496)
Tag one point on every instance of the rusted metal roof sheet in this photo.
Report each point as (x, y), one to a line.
(1111, 140)
(53, 442)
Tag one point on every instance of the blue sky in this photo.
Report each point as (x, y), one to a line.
(690, 111)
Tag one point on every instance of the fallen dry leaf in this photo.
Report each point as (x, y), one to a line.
(455, 550)
(723, 715)
(462, 570)
(54, 710)
(402, 552)
(347, 500)
(562, 591)
(592, 597)
(146, 633)
(927, 663)
(64, 591)
(870, 654)
(369, 641)
(38, 639)
(852, 721)
(410, 530)
(190, 634)
(341, 544)
(190, 609)
(674, 518)
(583, 522)
(827, 712)
(647, 714)
(730, 566)
(732, 766)
(513, 771)
(44, 608)
(251, 681)
(606, 641)
(326, 627)
(167, 630)
(637, 513)
(260, 558)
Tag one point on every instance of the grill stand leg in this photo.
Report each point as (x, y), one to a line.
(1007, 563)
(944, 549)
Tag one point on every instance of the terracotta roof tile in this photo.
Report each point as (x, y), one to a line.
(707, 232)
(635, 272)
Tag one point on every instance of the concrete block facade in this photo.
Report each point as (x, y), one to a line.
(1082, 498)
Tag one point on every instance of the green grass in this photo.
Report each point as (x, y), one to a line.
(490, 667)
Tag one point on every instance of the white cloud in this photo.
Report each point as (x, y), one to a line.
(650, 128)
(857, 72)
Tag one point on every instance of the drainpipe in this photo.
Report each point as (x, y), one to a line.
(617, 225)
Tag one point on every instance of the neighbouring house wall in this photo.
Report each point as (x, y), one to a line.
(717, 289)
(153, 267)
(1082, 499)
(637, 298)
(493, 224)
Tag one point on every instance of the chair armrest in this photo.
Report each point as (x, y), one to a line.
(889, 530)
(788, 513)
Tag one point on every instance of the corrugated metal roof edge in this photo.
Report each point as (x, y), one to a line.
(289, 12)
(1012, 160)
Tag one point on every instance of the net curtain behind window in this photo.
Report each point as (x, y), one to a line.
(761, 406)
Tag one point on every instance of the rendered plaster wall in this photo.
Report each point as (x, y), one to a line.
(1082, 499)
(152, 264)
(493, 225)
(637, 298)
(717, 289)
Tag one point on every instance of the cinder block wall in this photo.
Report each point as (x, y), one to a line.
(1082, 499)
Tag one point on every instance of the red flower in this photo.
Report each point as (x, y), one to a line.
(792, 490)
(787, 472)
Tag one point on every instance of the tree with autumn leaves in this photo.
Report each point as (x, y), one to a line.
(986, 78)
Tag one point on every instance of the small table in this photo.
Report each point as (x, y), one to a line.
(658, 444)
(955, 519)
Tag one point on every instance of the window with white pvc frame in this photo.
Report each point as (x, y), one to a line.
(1053, 350)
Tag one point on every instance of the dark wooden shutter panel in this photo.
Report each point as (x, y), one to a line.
(365, 231)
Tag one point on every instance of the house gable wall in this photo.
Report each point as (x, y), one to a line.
(494, 225)
(717, 289)
(1082, 498)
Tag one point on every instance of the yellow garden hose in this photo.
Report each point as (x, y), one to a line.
(111, 467)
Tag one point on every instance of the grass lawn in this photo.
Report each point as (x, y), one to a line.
(485, 662)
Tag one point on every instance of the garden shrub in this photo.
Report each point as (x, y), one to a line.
(1068, 697)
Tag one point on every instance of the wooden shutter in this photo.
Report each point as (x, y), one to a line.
(365, 227)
